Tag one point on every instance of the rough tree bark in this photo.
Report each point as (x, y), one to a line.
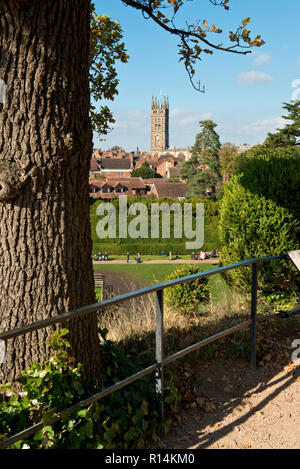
(45, 148)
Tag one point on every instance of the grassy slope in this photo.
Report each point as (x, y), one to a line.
(157, 273)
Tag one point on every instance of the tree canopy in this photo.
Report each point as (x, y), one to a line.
(227, 155)
(145, 172)
(290, 134)
(260, 215)
(106, 47)
(202, 170)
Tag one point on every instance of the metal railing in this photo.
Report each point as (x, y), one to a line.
(161, 362)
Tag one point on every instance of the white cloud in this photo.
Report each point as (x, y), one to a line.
(186, 117)
(254, 78)
(131, 119)
(296, 93)
(264, 125)
(176, 112)
(252, 132)
(261, 60)
(132, 128)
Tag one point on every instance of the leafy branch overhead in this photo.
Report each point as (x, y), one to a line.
(106, 47)
(195, 37)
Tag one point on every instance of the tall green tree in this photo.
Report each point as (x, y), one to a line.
(290, 134)
(45, 147)
(145, 172)
(227, 156)
(203, 170)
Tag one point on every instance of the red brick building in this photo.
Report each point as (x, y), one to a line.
(117, 187)
(116, 167)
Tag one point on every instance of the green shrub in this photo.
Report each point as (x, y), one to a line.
(259, 216)
(186, 297)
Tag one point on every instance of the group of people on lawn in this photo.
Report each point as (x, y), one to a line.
(202, 255)
(101, 257)
(137, 260)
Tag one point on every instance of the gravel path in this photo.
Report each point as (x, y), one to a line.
(242, 409)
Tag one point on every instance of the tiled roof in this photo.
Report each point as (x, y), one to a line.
(150, 181)
(133, 183)
(97, 182)
(94, 165)
(171, 189)
(175, 172)
(166, 156)
(130, 185)
(152, 162)
(117, 164)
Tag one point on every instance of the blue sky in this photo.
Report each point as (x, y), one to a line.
(243, 94)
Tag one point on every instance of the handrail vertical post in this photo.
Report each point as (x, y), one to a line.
(159, 352)
(253, 315)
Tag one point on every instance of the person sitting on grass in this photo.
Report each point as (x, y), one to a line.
(202, 255)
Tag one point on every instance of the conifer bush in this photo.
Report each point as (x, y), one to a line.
(259, 216)
(186, 297)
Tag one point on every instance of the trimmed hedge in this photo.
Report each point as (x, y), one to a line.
(154, 246)
(259, 216)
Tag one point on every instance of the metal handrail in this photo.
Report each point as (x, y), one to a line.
(158, 367)
(76, 313)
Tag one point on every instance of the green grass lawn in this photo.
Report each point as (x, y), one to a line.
(157, 273)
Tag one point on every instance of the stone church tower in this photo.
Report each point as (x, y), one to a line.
(159, 125)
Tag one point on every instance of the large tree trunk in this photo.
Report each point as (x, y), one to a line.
(45, 148)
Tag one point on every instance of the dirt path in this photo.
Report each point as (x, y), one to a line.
(241, 409)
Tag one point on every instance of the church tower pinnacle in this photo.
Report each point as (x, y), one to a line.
(159, 125)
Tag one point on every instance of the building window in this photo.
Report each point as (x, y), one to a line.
(121, 173)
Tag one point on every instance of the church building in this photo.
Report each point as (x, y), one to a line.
(160, 131)
(159, 125)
